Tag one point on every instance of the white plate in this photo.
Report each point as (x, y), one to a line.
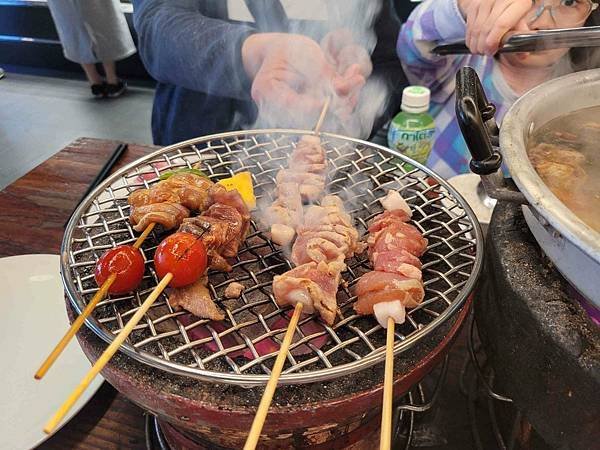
(32, 320)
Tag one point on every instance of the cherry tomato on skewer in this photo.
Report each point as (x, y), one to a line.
(127, 262)
(183, 255)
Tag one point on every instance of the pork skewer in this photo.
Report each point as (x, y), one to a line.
(395, 284)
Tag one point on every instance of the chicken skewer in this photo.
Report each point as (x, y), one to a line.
(302, 181)
(394, 284)
(165, 203)
(265, 401)
(325, 240)
(223, 223)
(171, 258)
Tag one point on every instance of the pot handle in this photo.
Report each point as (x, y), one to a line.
(475, 117)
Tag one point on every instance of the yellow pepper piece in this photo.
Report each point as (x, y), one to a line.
(241, 182)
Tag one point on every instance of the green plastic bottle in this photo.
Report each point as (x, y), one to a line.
(412, 131)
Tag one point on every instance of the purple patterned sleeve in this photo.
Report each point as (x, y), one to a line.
(431, 22)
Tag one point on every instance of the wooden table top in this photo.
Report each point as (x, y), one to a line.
(34, 211)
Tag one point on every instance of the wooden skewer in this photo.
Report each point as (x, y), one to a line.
(108, 353)
(265, 401)
(385, 441)
(77, 323)
(322, 115)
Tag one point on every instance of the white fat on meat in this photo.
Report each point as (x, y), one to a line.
(301, 296)
(394, 309)
(282, 234)
(394, 201)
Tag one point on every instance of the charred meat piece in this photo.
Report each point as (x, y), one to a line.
(311, 185)
(396, 283)
(216, 236)
(169, 201)
(234, 290)
(236, 228)
(169, 215)
(374, 287)
(314, 285)
(234, 199)
(196, 299)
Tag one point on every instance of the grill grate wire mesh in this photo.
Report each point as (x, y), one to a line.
(242, 348)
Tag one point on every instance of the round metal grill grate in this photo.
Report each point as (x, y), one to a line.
(242, 348)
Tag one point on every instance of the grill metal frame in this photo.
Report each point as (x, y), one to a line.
(220, 155)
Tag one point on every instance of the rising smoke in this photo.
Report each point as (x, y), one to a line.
(353, 17)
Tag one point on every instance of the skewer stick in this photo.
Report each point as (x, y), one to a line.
(138, 243)
(78, 322)
(385, 441)
(322, 115)
(265, 401)
(108, 353)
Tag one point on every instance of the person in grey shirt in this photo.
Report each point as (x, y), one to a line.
(91, 32)
(215, 74)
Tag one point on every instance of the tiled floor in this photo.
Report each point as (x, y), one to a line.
(40, 115)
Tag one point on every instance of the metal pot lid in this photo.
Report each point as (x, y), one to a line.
(540, 105)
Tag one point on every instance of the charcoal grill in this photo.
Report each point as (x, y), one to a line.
(229, 352)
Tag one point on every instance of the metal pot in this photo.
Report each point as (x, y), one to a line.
(572, 246)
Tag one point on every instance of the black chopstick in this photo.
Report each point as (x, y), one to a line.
(106, 168)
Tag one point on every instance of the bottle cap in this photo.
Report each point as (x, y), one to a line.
(415, 99)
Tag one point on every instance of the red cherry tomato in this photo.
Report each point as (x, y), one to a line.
(127, 262)
(183, 255)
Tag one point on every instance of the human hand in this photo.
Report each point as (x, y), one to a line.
(351, 61)
(345, 54)
(489, 20)
(292, 77)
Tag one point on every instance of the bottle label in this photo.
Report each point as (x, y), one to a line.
(414, 143)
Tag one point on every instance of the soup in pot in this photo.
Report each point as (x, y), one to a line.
(565, 152)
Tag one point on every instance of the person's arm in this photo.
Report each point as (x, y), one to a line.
(181, 46)
(432, 21)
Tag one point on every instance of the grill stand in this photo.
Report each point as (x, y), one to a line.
(168, 396)
(407, 413)
(537, 345)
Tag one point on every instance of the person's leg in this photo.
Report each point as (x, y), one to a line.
(2, 73)
(111, 72)
(114, 85)
(92, 74)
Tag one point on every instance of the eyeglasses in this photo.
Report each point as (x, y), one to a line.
(564, 13)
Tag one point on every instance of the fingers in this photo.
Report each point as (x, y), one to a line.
(278, 91)
(334, 41)
(351, 81)
(489, 20)
(507, 20)
(354, 55)
(476, 18)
